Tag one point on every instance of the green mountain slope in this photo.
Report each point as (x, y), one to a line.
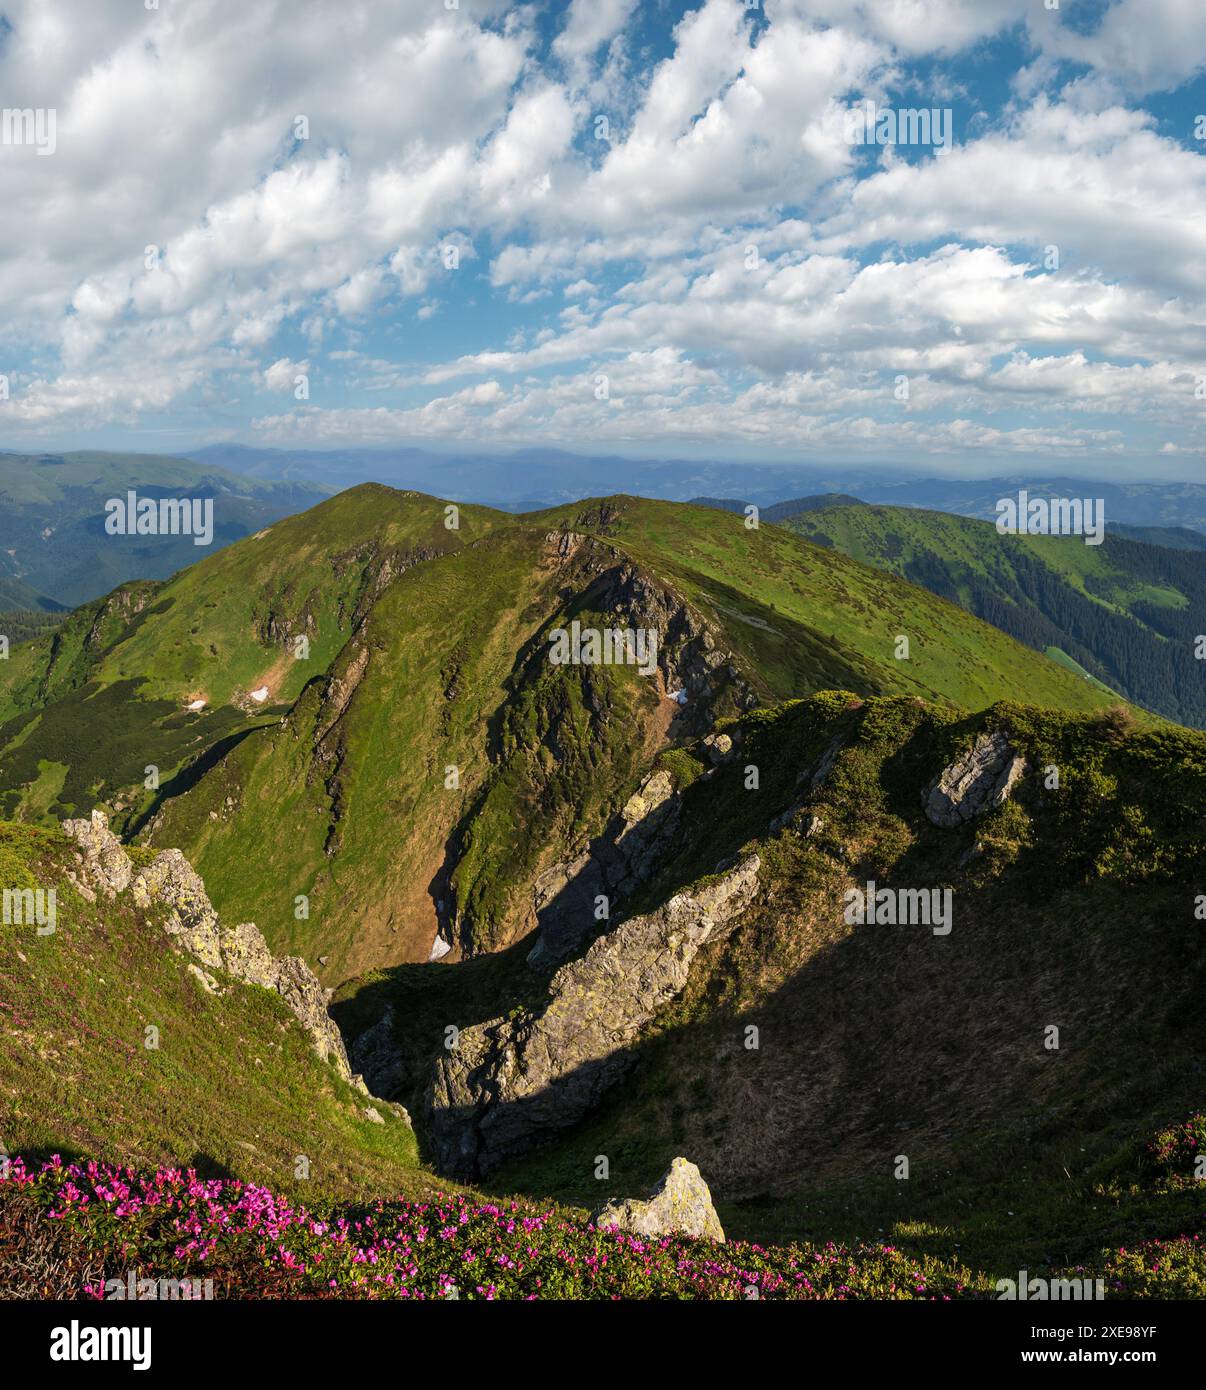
(803, 1055)
(1170, 537)
(106, 697)
(14, 594)
(400, 789)
(52, 518)
(1126, 613)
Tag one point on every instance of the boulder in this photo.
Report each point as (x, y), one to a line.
(679, 1205)
(719, 747)
(106, 864)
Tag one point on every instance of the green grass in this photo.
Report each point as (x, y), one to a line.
(1076, 908)
(233, 1088)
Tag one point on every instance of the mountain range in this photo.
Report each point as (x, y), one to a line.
(535, 915)
(1126, 613)
(527, 479)
(54, 549)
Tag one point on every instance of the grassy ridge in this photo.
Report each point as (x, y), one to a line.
(1126, 612)
(799, 614)
(438, 636)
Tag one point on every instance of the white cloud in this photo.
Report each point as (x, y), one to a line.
(430, 129)
(282, 375)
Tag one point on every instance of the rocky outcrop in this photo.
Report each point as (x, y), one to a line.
(975, 783)
(170, 881)
(511, 1082)
(679, 1205)
(107, 866)
(720, 747)
(616, 863)
(692, 666)
(122, 606)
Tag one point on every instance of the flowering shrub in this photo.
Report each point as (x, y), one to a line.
(1174, 1152)
(1158, 1269)
(256, 1243)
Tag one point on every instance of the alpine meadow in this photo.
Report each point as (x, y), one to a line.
(602, 676)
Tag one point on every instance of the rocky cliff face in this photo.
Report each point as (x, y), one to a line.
(613, 865)
(693, 665)
(241, 951)
(511, 1082)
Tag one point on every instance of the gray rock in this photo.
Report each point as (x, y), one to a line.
(975, 783)
(172, 881)
(679, 1205)
(511, 1082)
(618, 862)
(106, 864)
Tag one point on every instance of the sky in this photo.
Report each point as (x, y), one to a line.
(610, 226)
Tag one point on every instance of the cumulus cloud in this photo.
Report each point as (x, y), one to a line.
(413, 200)
(283, 374)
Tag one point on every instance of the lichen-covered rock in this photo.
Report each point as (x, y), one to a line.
(172, 881)
(512, 1082)
(301, 991)
(719, 746)
(975, 783)
(106, 864)
(679, 1205)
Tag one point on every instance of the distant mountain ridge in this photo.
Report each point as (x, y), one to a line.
(780, 511)
(52, 518)
(526, 479)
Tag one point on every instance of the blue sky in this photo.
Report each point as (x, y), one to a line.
(668, 238)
